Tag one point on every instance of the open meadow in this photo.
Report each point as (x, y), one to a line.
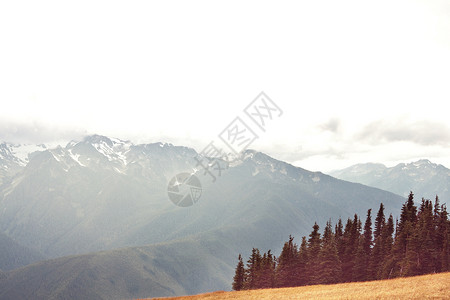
(434, 286)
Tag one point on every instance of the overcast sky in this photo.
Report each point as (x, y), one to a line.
(357, 81)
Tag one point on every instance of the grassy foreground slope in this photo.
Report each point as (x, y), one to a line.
(434, 286)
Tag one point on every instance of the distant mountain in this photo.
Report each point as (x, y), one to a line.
(424, 178)
(13, 255)
(103, 194)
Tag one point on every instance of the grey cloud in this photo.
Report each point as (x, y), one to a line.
(420, 132)
(332, 125)
(36, 132)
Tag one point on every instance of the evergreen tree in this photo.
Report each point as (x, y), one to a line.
(239, 275)
(339, 237)
(253, 268)
(408, 213)
(377, 252)
(351, 239)
(405, 233)
(360, 272)
(313, 254)
(302, 262)
(387, 232)
(327, 233)
(442, 240)
(338, 229)
(368, 234)
(439, 233)
(379, 222)
(425, 229)
(437, 209)
(266, 277)
(329, 268)
(386, 254)
(287, 265)
(346, 252)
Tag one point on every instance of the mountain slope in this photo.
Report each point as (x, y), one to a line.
(424, 178)
(14, 255)
(168, 269)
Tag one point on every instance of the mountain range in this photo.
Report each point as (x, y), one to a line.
(99, 211)
(424, 178)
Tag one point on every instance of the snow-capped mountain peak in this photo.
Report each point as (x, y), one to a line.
(113, 149)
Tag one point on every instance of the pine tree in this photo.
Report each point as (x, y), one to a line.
(379, 222)
(425, 228)
(386, 254)
(327, 233)
(387, 232)
(439, 233)
(346, 252)
(338, 229)
(287, 265)
(266, 277)
(360, 272)
(404, 234)
(443, 237)
(313, 254)
(377, 252)
(437, 209)
(253, 268)
(339, 236)
(239, 275)
(351, 239)
(302, 263)
(329, 268)
(411, 262)
(409, 212)
(368, 234)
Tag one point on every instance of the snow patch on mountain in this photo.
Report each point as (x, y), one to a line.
(19, 153)
(22, 151)
(113, 149)
(76, 158)
(55, 156)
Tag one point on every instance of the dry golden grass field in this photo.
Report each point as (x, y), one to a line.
(435, 286)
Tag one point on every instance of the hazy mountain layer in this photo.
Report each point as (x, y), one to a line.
(424, 178)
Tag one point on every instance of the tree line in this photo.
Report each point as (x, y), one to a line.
(416, 244)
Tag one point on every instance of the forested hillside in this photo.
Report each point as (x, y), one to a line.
(417, 243)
